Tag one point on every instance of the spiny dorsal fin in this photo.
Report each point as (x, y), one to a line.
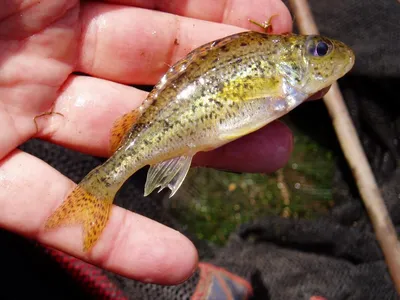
(170, 173)
(121, 127)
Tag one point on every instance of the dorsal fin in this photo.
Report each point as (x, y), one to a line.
(127, 122)
(121, 127)
(123, 124)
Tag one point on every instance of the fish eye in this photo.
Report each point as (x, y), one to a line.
(321, 48)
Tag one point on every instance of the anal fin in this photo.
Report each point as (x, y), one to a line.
(170, 173)
(121, 127)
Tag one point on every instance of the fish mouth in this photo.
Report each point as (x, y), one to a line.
(349, 65)
(342, 69)
(351, 60)
(346, 54)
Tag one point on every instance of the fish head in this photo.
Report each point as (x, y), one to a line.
(311, 63)
(325, 61)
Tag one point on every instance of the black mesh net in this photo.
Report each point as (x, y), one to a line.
(335, 256)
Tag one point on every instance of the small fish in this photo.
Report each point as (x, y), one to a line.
(219, 92)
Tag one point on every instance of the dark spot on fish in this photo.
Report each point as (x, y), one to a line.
(215, 101)
(176, 42)
(167, 124)
(243, 44)
(225, 48)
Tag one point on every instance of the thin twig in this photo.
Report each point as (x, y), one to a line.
(284, 193)
(356, 158)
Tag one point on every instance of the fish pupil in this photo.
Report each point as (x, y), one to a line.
(322, 48)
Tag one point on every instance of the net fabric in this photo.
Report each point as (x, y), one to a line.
(336, 257)
(91, 279)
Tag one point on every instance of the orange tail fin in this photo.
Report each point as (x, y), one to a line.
(80, 207)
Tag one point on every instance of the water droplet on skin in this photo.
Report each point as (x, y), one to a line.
(101, 23)
(80, 101)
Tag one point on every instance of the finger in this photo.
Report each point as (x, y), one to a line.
(136, 46)
(234, 12)
(90, 106)
(130, 245)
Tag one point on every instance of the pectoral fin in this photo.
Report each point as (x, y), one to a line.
(170, 173)
(121, 127)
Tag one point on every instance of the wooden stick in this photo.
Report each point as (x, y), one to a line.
(356, 158)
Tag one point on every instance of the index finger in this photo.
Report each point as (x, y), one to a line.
(234, 12)
(136, 46)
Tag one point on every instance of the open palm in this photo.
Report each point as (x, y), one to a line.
(42, 46)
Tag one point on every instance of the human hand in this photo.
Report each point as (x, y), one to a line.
(42, 44)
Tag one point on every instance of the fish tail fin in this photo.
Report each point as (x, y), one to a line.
(83, 207)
